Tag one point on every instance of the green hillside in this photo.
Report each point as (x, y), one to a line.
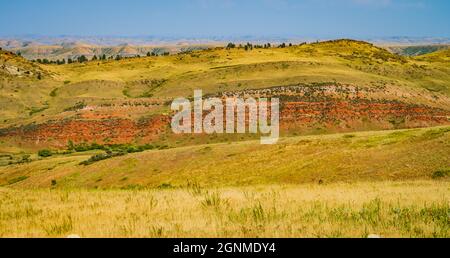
(417, 50)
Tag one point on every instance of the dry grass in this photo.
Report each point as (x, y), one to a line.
(406, 209)
(223, 70)
(365, 156)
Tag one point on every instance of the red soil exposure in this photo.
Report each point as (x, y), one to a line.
(303, 109)
(352, 114)
(295, 116)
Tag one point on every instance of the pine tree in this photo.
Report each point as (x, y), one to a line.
(82, 59)
(231, 45)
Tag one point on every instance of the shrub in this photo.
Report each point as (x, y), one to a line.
(231, 45)
(35, 110)
(165, 186)
(441, 174)
(85, 147)
(25, 159)
(80, 148)
(17, 180)
(53, 92)
(100, 157)
(132, 150)
(77, 106)
(70, 145)
(45, 153)
(96, 158)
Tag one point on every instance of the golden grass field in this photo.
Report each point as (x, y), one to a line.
(393, 184)
(389, 209)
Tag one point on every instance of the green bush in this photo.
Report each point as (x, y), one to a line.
(112, 150)
(165, 186)
(441, 174)
(35, 110)
(25, 159)
(45, 153)
(100, 157)
(53, 92)
(17, 180)
(77, 106)
(85, 147)
(128, 148)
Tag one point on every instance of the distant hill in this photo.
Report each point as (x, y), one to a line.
(416, 50)
(64, 47)
(442, 56)
(75, 49)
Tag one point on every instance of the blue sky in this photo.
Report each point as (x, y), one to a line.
(198, 18)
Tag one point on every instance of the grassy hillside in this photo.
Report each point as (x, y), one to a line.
(416, 50)
(24, 88)
(216, 70)
(389, 155)
(60, 87)
(442, 56)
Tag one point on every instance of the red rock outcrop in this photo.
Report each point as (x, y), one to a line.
(105, 131)
(303, 109)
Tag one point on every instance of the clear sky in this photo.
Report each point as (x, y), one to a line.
(198, 18)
